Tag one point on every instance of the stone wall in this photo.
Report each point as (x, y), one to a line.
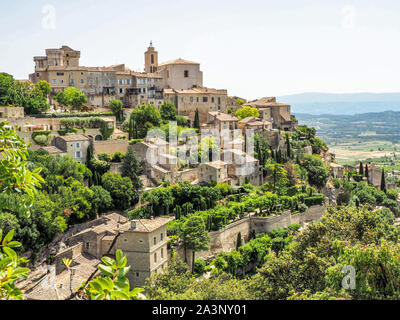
(225, 239)
(70, 253)
(110, 146)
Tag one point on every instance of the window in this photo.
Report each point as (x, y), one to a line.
(121, 90)
(191, 99)
(137, 274)
(38, 74)
(186, 73)
(78, 155)
(155, 240)
(197, 99)
(128, 81)
(60, 73)
(91, 81)
(92, 98)
(54, 81)
(152, 59)
(120, 81)
(77, 145)
(182, 99)
(162, 253)
(71, 81)
(82, 81)
(205, 99)
(219, 100)
(162, 236)
(155, 258)
(61, 81)
(87, 245)
(212, 99)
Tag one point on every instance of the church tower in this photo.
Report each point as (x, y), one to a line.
(151, 59)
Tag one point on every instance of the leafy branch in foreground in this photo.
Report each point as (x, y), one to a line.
(10, 268)
(112, 284)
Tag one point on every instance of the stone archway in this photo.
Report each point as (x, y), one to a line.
(99, 137)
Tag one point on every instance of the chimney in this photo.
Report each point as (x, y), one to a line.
(133, 225)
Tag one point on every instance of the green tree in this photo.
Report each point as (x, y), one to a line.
(318, 173)
(116, 108)
(361, 169)
(383, 181)
(145, 117)
(276, 176)
(238, 241)
(132, 169)
(120, 189)
(101, 200)
(168, 111)
(195, 236)
(246, 112)
(196, 123)
(75, 98)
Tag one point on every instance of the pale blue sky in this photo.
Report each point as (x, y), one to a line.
(253, 48)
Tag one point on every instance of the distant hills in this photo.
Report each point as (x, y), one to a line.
(342, 103)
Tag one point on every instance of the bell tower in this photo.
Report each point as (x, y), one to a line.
(151, 59)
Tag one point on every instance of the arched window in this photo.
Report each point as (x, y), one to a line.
(152, 59)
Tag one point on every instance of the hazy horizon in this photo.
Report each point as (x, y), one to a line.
(251, 48)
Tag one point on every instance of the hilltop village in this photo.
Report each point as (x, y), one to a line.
(122, 171)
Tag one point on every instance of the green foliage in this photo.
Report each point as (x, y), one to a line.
(10, 268)
(121, 190)
(71, 97)
(145, 117)
(168, 111)
(196, 122)
(112, 284)
(105, 130)
(318, 173)
(101, 200)
(132, 169)
(116, 108)
(33, 98)
(246, 112)
(14, 173)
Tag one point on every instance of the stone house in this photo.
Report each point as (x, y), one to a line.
(216, 171)
(277, 113)
(242, 167)
(75, 146)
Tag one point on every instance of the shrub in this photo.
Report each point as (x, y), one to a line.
(303, 207)
(315, 200)
(199, 266)
(42, 140)
(117, 157)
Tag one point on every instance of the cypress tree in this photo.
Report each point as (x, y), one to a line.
(239, 241)
(288, 146)
(196, 123)
(367, 172)
(383, 181)
(361, 168)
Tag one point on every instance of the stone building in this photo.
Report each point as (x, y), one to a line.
(145, 245)
(205, 100)
(243, 168)
(276, 113)
(75, 146)
(216, 171)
